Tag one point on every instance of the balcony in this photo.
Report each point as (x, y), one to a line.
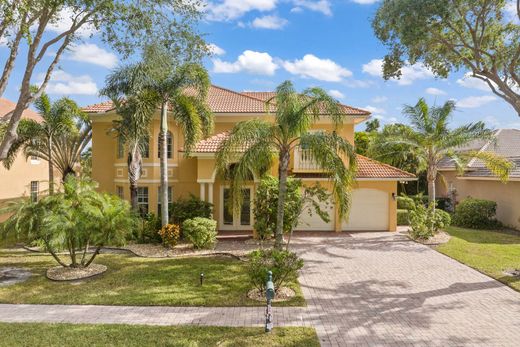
(304, 161)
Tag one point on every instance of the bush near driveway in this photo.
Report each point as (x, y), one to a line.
(283, 264)
(426, 221)
(403, 217)
(476, 214)
(202, 232)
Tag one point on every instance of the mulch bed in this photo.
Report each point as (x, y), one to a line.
(60, 273)
(282, 294)
(237, 249)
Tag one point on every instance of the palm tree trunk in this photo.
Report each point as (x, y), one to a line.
(282, 191)
(51, 168)
(134, 162)
(164, 163)
(431, 177)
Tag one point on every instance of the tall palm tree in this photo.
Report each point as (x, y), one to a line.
(177, 89)
(39, 138)
(431, 140)
(265, 141)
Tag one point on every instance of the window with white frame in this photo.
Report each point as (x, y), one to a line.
(35, 185)
(169, 145)
(142, 200)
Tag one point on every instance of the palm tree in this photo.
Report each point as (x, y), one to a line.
(264, 141)
(177, 89)
(38, 138)
(431, 140)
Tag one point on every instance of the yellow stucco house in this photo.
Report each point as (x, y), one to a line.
(373, 205)
(26, 177)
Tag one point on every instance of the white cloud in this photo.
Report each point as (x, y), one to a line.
(269, 22)
(353, 83)
(474, 83)
(93, 54)
(365, 2)
(374, 109)
(336, 94)
(410, 73)
(379, 99)
(64, 83)
(475, 101)
(232, 9)
(435, 91)
(216, 50)
(64, 22)
(259, 63)
(322, 6)
(311, 66)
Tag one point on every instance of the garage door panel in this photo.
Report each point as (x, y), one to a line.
(369, 210)
(311, 221)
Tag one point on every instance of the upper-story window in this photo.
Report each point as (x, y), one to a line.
(145, 149)
(120, 147)
(169, 146)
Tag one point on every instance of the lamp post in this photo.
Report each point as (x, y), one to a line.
(269, 293)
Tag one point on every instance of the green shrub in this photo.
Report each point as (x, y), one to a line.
(149, 226)
(170, 234)
(192, 207)
(202, 232)
(283, 264)
(405, 203)
(476, 214)
(403, 217)
(426, 221)
(296, 201)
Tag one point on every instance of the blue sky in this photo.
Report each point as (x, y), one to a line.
(325, 43)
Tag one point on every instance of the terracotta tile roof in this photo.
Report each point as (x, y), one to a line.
(222, 100)
(7, 106)
(367, 168)
(264, 96)
(370, 168)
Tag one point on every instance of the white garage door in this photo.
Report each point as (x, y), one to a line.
(369, 210)
(313, 222)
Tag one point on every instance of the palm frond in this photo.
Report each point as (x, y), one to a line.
(498, 165)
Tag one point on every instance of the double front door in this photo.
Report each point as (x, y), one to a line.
(235, 220)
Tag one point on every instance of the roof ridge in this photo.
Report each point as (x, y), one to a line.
(235, 92)
(386, 165)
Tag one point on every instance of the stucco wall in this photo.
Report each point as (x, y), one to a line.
(506, 195)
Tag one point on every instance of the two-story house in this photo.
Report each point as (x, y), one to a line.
(374, 196)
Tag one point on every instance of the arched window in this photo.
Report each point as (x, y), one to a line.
(120, 147)
(169, 146)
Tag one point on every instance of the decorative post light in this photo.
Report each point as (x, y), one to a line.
(269, 293)
(201, 278)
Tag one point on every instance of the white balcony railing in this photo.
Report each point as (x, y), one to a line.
(304, 160)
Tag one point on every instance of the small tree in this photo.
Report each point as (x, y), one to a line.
(73, 220)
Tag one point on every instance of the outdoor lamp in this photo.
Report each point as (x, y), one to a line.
(269, 292)
(393, 196)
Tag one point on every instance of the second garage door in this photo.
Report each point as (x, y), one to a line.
(369, 210)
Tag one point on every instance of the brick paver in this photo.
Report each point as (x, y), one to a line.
(370, 289)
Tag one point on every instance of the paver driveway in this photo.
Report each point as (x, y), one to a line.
(382, 289)
(365, 289)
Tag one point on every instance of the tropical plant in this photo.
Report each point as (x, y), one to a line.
(430, 140)
(189, 208)
(179, 89)
(201, 232)
(170, 234)
(297, 200)
(74, 220)
(30, 25)
(425, 221)
(264, 141)
(39, 138)
(133, 129)
(282, 263)
(481, 36)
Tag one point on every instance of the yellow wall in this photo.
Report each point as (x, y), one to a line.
(186, 174)
(504, 194)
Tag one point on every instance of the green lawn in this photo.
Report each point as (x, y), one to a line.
(490, 252)
(36, 334)
(132, 280)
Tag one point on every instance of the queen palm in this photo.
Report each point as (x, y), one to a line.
(39, 138)
(432, 140)
(177, 89)
(264, 141)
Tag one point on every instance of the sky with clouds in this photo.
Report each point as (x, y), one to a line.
(259, 43)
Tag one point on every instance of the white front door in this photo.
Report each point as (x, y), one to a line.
(369, 210)
(233, 220)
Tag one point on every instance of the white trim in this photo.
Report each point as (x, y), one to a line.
(146, 165)
(515, 179)
(360, 179)
(206, 180)
(202, 155)
(236, 216)
(125, 180)
(202, 194)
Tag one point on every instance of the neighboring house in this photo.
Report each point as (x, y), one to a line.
(478, 182)
(26, 177)
(373, 206)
